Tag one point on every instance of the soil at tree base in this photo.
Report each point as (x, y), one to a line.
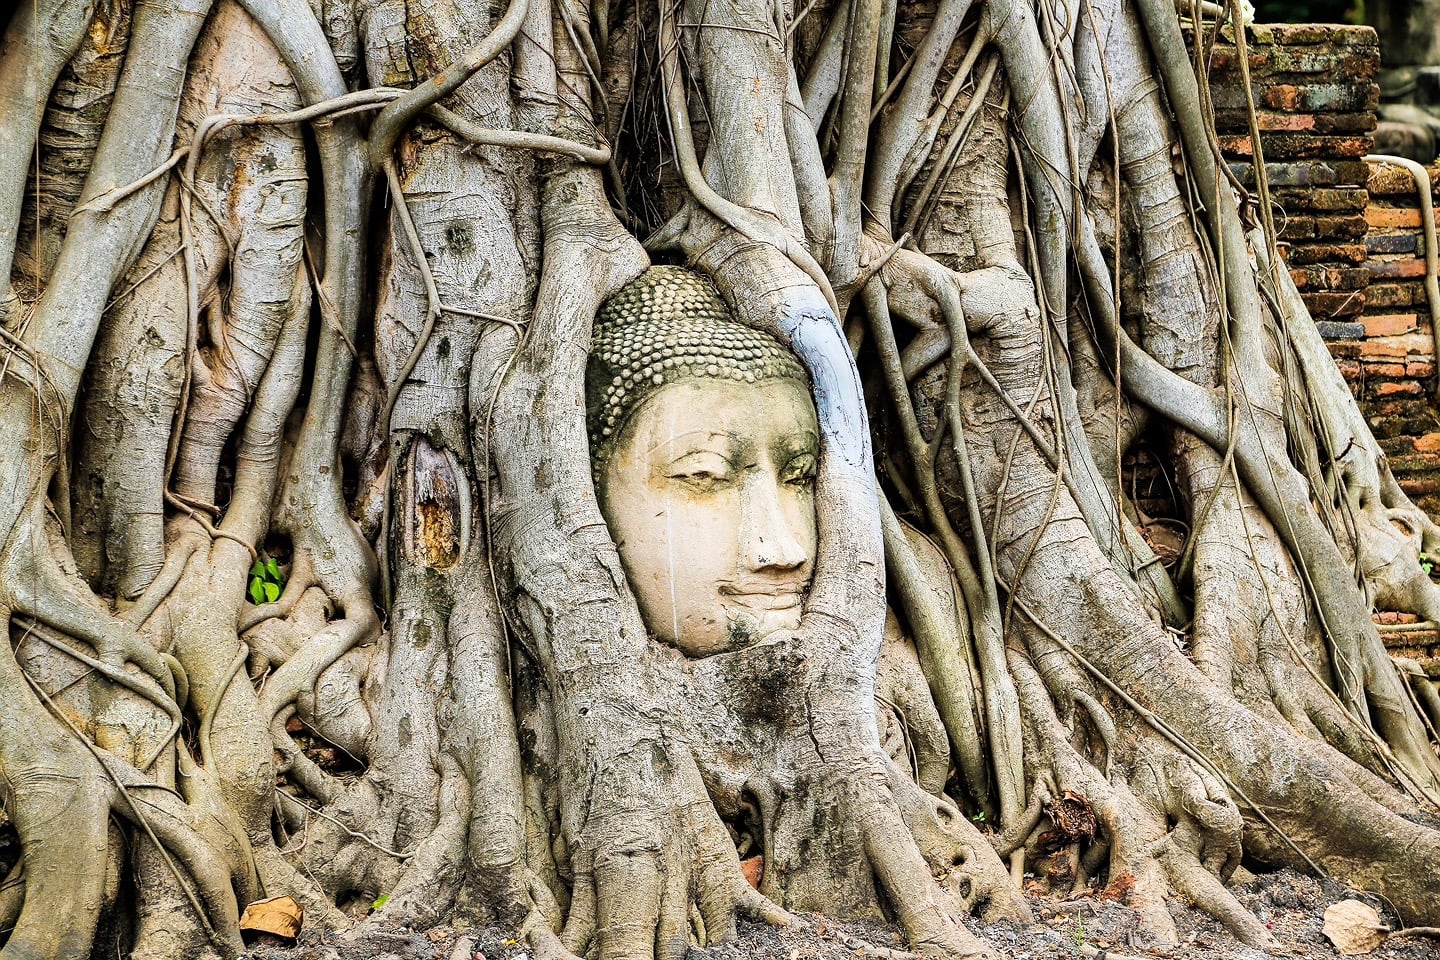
(1290, 904)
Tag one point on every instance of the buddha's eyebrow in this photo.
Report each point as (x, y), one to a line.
(801, 441)
(675, 438)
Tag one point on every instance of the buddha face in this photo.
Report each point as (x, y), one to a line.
(709, 494)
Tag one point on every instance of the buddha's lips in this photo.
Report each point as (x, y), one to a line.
(764, 596)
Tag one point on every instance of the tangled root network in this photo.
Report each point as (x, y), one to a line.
(307, 587)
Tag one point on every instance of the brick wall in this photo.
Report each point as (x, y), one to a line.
(1351, 236)
(1350, 230)
(1390, 357)
(1315, 96)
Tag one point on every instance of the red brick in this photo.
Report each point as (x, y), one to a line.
(1393, 179)
(1363, 122)
(1298, 228)
(1405, 345)
(1283, 97)
(1322, 198)
(1351, 34)
(1419, 370)
(1407, 388)
(1394, 370)
(1392, 217)
(1428, 443)
(1303, 254)
(1334, 228)
(1236, 146)
(1389, 431)
(1390, 324)
(1396, 269)
(1330, 278)
(1394, 294)
(1285, 145)
(1223, 59)
(1293, 34)
(1268, 120)
(1328, 306)
(1415, 463)
(1292, 146)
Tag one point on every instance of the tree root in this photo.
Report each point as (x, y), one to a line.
(526, 752)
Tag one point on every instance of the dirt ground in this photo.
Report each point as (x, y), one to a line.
(1292, 906)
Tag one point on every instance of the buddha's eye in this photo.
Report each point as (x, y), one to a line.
(800, 471)
(702, 470)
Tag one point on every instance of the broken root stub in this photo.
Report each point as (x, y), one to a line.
(1073, 818)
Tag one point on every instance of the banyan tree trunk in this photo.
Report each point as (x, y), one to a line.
(305, 582)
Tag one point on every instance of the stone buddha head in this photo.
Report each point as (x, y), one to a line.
(704, 444)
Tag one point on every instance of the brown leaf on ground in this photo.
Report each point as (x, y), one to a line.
(277, 916)
(752, 869)
(1354, 927)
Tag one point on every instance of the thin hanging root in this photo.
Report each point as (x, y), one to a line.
(369, 841)
(1433, 932)
(1000, 702)
(372, 98)
(107, 201)
(876, 264)
(204, 523)
(385, 132)
(207, 721)
(1424, 692)
(432, 297)
(164, 700)
(921, 210)
(121, 677)
(165, 581)
(743, 221)
(62, 606)
(1428, 237)
(521, 140)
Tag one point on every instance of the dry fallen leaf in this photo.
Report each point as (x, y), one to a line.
(1354, 927)
(752, 869)
(277, 916)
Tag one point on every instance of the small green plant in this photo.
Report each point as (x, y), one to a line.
(1079, 930)
(381, 900)
(1427, 563)
(979, 817)
(266, 581)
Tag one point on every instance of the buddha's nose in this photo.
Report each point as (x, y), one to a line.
(771, 537)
